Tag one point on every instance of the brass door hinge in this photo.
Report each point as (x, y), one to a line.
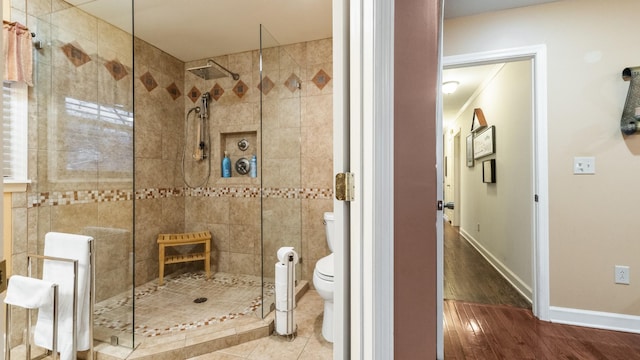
(344, 186)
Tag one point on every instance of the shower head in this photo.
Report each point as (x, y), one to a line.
(209, 71)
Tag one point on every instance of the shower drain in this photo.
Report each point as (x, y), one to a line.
(200, 300)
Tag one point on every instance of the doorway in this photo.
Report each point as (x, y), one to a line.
(488, 246)
(536, 56)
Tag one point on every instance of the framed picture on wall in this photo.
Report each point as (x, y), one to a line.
(484, 143)
(489, 171)
(470, 150)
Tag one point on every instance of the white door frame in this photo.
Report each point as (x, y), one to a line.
(363, 129)
(540, 220)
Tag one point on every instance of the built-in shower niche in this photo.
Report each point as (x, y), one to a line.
(240, 145)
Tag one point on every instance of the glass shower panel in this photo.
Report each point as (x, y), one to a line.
(81, 148)
(280, 112)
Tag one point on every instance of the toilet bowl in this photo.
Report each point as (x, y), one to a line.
(323, 280)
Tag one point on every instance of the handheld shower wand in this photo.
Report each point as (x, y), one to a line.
(202, 143)
(200, 153)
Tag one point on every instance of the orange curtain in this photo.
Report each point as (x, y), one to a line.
(18, 53)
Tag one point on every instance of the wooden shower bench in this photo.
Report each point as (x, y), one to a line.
(194, 238)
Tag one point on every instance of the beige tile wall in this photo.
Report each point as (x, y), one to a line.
(295, 154)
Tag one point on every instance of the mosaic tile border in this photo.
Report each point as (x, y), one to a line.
(56, 198)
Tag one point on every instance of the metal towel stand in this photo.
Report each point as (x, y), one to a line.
(55, 309)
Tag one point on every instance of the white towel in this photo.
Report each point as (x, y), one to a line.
(29, 293)
(67, 246)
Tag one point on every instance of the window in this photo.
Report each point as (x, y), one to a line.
(14, 132)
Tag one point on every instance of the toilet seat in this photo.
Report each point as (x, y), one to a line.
(324, 268)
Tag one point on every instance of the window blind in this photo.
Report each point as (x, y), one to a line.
(14, 131)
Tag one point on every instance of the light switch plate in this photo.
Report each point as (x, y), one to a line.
(584, 165)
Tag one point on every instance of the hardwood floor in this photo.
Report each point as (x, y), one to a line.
(486, 332)
(486, 319)
(469, 277)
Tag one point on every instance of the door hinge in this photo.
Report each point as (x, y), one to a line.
(345, 186)
(535, 198)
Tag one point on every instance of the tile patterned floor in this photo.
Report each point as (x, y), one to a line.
(308, 345)
(235, 338)
(171, 308)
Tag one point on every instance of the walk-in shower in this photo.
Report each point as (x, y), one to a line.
(97, 174)
(209, 71)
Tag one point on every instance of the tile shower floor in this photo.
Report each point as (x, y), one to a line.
(177, 306)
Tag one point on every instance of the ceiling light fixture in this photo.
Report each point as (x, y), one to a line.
(449, 87)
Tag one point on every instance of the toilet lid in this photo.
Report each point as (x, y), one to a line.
(324, 266)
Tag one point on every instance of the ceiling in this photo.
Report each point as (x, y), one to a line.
(207, 28)
(470, 79)
(197, 29)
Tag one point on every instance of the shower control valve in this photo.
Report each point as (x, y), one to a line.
(243, 166)
(243, 144)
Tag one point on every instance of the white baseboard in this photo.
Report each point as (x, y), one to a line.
(595, 319)
(515, 281)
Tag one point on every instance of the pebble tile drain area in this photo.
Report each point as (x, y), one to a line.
(171, 308)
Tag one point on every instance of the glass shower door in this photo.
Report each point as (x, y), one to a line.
(81, 148)
(280, 111)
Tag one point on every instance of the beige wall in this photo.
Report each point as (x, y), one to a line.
(498, 217)
(158, 137)
(592, 217)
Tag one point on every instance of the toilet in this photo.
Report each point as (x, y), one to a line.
(323, 278)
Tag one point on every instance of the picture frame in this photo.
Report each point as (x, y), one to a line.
(470, 150)
(489, 171)
(484, 143)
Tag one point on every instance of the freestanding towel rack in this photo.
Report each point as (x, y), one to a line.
(91, 355)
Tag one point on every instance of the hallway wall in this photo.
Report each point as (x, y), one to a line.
(593, 218)
(497, 218)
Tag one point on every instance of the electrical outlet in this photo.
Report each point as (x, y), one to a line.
(622, 274)
(3, 275)
(584, 165)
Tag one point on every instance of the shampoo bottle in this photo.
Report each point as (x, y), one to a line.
(226, 166)
(253, 172)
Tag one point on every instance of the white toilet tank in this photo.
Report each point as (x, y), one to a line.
(329, 228)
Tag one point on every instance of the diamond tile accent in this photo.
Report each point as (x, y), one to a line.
(240, 89)
(321, 79)
(293, 82)
(194, 94)
(266, 85)
(216, 92)
(116, 69)
(174, 91)
(76, 55)
(148, 81)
